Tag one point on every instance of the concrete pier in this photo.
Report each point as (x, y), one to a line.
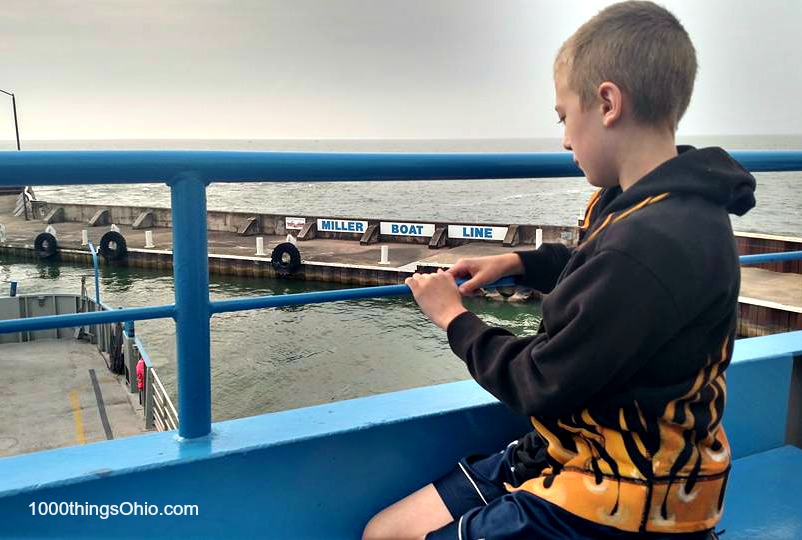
(345, 257)
(348, 250)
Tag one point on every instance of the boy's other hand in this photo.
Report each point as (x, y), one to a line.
(438, 297)
(485, 270)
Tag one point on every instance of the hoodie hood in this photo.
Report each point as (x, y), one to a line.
(710, 173)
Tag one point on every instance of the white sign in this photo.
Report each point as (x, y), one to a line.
(294, 223)
(477, 232)
(407, 229)
(342, 226)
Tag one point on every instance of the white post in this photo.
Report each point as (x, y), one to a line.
(291, 240)
(2, 234)
(51, 229)
(149, 240)
(114, 228)
(84, 237)
(538, 238)
(260, 246)
(385, 255)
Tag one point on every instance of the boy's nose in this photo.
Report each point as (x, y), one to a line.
(567, 144)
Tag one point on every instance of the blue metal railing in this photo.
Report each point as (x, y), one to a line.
(771, 257)
(96, 266)
(188, 174)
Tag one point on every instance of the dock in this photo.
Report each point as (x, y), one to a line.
(332, 257)
(60, 393)
(770, 300)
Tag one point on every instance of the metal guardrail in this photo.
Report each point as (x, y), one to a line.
(164, 415)
(189, 172)
(771, 257)
(160, 412)
(96, 265)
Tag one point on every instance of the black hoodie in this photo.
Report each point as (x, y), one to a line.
(624, 380)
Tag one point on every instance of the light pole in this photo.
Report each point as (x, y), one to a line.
(16, 130)
(14, 105)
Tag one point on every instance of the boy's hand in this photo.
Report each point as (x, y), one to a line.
(438, 297)
(484, 270)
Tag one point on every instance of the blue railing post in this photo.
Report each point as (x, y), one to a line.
(96, 265)
(192, 309)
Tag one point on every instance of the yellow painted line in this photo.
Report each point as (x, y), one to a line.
(80, 437)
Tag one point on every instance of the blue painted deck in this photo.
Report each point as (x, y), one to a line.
(764, 496)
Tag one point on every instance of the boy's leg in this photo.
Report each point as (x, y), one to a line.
(474, 482)
(411, 517)
(523, 516)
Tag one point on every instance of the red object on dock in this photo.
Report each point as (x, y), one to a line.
(140, 374)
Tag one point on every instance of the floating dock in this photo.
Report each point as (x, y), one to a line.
(349, 250)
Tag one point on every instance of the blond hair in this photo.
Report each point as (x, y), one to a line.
(642, 48)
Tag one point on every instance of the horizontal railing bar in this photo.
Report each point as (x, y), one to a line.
(771, 257)
(273, 301)
(159, 312)
(318, 297)
(88, 318)
(142, 352)
(220, 306)
(283, 300)
(142, 166)
(124, 167)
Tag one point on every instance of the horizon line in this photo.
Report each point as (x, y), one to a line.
(369, 139)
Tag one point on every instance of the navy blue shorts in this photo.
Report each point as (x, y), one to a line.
(475, 496)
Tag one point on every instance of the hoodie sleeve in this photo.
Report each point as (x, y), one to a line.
(601, 324)
(544, 265)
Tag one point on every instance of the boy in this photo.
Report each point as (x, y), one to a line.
(624, 381)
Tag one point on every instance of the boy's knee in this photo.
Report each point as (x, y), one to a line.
(411, 518)
(372, 528)
(378, 527)
(383, 527)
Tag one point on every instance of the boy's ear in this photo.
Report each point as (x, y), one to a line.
(611, 101)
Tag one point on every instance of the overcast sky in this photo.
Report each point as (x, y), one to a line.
(105, 69)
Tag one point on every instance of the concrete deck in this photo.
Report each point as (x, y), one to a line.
(50, 399)
(768, 286)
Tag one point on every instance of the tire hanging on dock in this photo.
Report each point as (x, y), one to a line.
(285, 258)
(45, 246)
(120, 249)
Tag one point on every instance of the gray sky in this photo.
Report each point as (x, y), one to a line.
(104, 69)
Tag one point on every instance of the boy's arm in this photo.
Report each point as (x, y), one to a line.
(601, 324)
(544, 265)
